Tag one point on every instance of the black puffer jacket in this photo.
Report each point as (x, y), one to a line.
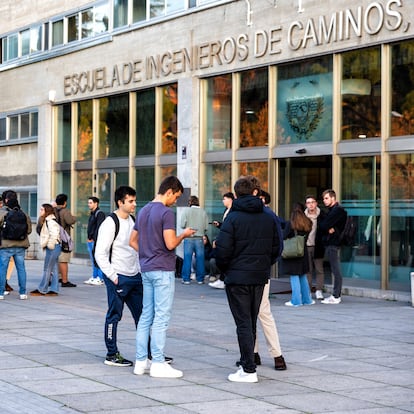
(247, 244)
(335, 219)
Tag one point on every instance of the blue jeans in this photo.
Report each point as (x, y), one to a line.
(300, 290)
(193, 245)
(50, 271)
(332, 253)
(96, 272)
(157, 303)
(18, 255)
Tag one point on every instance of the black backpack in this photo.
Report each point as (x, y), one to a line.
(14, 225)
(347, 237)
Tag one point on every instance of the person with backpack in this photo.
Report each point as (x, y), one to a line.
(49, 241)
(121, 270)
(15, 228)
(332, 227)
(96, 218)
(66, 220)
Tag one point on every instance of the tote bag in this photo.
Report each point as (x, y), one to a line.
(294, 247)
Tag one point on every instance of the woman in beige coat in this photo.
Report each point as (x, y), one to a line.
(50, 242)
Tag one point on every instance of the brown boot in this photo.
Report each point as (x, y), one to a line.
(280, 364)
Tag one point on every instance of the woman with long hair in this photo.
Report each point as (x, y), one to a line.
(50, 242)
(298, 267)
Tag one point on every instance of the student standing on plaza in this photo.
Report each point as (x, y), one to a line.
(66, 220)
(331, 227)
(13, 245)
(50, 242)
(298, 267)
(121, 270)
(247, 246)
(314, 244)
(155, 238)
(96, 218)
(195, 217)
(10, 268)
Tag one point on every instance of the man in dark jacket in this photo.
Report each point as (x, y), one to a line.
(247, 246)
(331, 228)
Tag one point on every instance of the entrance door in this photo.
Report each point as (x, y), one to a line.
(302, 176)
(107, 182)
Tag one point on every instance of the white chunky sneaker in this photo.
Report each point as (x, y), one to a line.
(332, 300)
(89, 281)
(241, 376)
(319, 295)
(218, 284)
(23, 297)
(164, 370)
(141, 367)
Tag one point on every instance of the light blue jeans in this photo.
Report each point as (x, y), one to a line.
(300, 290)
(18, 255)
(96, 272)
(50, 271)
(157, 303)
(193, 245)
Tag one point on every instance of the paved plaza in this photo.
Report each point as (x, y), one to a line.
(356, 357)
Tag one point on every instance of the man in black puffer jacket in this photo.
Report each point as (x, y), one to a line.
(246, 248)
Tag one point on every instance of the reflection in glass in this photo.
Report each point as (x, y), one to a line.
(57, 33)
(145, 125)
(83, 192)
(104, 192)
(304, 101)
(85, 132)
(361, 94)
(401, 220)
(167, 170)
(114, 126)
(402, 108)
(254, 108)
(361, 199)
(73, 25)
(219, 92)
(120, 13)
(258, 169)
(169, 119)
(217, 183)
(145, 185)
(64, 132)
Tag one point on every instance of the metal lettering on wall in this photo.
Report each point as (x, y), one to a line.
(323, 30)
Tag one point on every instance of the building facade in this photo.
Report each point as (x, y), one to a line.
(305, 94)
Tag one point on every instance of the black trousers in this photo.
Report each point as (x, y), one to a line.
(244, 302)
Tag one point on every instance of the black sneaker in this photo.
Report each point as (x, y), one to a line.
(117, 360)
(68, 284)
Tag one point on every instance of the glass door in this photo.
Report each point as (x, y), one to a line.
(107, 182)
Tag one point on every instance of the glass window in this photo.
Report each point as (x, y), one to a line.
(83, 192)
(401, 246)
(24, 125)
(114, 126)
(34, 116)
(145, 185)
(101, 19)
(219, 93)
(361, 94)
(85, 130)
(304, 101)
(25, 39)
(14, 127)
(254, 108)
(361, 199)
(64, 132)
(169, 119)
(36, 39)
(145, 125)
(139, 10)
(57, 33)
(258, 169)
(87, 24)
(120, 13)
(12, 46)
(173, 6)
(402, 108)
(167, 170)
(157, 8)
(217, 183)
(73, 25)
(3, 130)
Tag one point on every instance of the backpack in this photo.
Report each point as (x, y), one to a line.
(115, 218)
(347, 236)
(14, 225)
(66, 241)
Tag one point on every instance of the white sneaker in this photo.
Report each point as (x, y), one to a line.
(164, 370)
(23, 297)
(6, 292)
(89, 281)
(332, 300)
(96, 281)
(319, 295)
(308, 304)
(241, 376)
(291, 304)
(142, 366)
(1, 297)
(218, 284)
